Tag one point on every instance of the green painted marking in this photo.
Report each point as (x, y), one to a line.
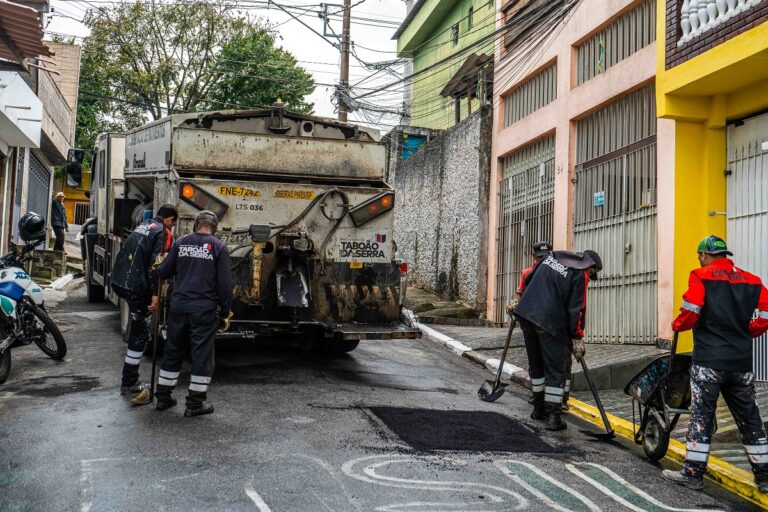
(549, 491)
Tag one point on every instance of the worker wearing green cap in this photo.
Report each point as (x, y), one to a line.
(726, 307)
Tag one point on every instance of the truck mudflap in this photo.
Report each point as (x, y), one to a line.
(375, 332)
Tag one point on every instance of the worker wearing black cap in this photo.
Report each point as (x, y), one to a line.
(200, 303)
(726, 307)
(552, 314)
(539, 251)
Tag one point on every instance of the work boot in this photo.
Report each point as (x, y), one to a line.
(138, 393)
(164, 399)
(684, 479)
(539, 407)
(133, 389)
(554, 421)
(762, 486)
(197, 405)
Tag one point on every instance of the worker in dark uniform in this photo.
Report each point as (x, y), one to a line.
(133, 279)
(552, 315)
(539, 251)
(726, 307)
(200, 302)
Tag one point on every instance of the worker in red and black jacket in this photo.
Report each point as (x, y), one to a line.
(552, 313)
(726, 307)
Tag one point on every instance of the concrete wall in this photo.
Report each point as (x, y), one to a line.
(441, 209)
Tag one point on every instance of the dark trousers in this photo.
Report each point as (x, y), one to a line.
(58, 231)
(548, 359)
(193, 333)
(138, 337)
(738, 390)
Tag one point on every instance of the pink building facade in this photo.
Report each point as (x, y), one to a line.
(580, 159)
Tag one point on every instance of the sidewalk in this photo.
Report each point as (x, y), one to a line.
(611, 366)
(484, 346)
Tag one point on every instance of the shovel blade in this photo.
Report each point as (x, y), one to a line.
(488, 394)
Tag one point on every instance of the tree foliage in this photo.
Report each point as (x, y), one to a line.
(147, 59)
(254, 72)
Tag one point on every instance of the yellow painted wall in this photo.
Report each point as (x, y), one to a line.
(701, 95)
(699, 188)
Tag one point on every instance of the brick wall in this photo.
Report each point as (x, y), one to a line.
(67, 59)
(676, 55)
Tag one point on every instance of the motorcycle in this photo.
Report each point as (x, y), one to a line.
(23, 319)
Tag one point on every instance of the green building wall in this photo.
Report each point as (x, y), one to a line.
(428, 40)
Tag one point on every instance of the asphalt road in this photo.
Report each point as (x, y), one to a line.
(394, 426)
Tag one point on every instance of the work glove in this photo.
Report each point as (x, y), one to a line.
(224, 322)
(512, 306)
(578, 349)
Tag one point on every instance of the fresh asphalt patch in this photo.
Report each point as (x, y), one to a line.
(450, 430)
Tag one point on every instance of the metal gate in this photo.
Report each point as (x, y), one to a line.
(747, 209)
(38, 192)
(526, 204)
(615, 215)
(82, 211)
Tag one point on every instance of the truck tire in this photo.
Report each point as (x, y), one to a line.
(5, 365)
(340, 346)
(94, 292)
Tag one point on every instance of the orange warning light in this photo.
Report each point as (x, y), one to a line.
(188, 191)
(386, 201)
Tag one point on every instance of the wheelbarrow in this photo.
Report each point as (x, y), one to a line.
(661, 393)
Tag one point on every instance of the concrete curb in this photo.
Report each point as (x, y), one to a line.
(728, 476)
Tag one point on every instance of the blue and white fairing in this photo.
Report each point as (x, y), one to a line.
(15, 283)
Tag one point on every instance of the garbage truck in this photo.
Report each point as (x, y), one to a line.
(302, 205)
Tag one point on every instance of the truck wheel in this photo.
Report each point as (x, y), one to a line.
(125, 320)
(93, 291)
(340, 346)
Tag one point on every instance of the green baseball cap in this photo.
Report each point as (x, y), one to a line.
(713, 245)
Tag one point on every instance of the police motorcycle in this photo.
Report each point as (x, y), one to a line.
(23, 319)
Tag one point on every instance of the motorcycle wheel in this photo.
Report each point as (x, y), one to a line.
(52, 344)
(5, 365)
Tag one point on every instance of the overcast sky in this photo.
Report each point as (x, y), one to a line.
(316, 55)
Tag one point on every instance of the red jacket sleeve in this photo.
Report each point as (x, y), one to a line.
(693, 301)
(759, 325)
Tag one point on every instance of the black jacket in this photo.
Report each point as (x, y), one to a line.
(203, 281)
(555, 297)
(58, 215)
(133, 272)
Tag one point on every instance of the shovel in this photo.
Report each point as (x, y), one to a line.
(609, 434)
(492, 391)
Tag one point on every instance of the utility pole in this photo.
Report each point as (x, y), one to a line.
(344, 75)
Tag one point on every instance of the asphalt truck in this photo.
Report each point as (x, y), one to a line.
(303, 208)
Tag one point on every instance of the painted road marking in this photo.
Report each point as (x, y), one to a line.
(618, 489)
(366, 469)
(256, 498)
(546, 488)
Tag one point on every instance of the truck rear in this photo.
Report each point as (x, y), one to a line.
(302, 206)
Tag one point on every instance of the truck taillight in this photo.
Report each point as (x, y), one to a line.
(403, 268)
(201, 199)
(372, 208)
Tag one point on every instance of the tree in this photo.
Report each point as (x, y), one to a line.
(147, 59)
(255, 73)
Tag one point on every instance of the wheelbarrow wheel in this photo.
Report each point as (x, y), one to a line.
(655, 439)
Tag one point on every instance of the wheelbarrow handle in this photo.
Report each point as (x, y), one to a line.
(672, 353)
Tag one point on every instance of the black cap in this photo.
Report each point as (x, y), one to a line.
(541, 249)
(596, 260)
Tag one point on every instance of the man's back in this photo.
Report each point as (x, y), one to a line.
(201, 265)
(723, 299)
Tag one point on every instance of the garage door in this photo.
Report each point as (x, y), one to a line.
(526, 204)
(747, 208)
(615, 214)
